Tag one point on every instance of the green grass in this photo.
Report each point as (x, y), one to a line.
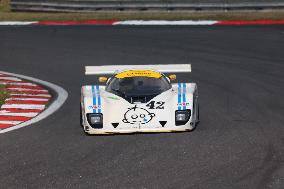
(4, 6)
(7, 15)
(3, 94)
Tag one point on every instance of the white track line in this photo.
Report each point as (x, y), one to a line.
(16, 23)
(9, 122)
(166, 22)
(27, 89)
(24, 106)
(61, 97)
(17, 83)
(10, 78)
(34, 99)
(31, 95)
(5, 113)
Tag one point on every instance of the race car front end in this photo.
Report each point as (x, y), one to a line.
(106, 113)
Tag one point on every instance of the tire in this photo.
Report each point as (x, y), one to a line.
(196, 122)
(81, 122)
(81, 117)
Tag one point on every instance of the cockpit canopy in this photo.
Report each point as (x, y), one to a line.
(138, 86)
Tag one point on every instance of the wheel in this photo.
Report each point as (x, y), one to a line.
(81, 122)
(81, 117)
(196, 115)
(197, 119)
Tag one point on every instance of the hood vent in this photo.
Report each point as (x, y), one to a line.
(139, 99)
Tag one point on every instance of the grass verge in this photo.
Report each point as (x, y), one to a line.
(3, 94)
(4, 6)
(7, 15)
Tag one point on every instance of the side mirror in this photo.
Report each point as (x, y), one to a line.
(103, 79)
(172, 77)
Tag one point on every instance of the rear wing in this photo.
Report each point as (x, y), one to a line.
(112, 69)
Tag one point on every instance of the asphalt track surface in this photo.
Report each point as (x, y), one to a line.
(238, 144)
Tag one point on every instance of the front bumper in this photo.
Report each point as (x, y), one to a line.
(93, 131)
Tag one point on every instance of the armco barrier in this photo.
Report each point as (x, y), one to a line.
(120, 5)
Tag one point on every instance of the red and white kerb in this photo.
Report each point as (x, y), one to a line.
(26, 101)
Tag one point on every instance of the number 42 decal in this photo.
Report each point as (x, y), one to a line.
(156, 105)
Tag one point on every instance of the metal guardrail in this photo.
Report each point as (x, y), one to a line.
(120, 5)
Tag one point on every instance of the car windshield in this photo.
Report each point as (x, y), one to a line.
(138, 86)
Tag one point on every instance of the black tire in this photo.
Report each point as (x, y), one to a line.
(198, 120)
(81, 121)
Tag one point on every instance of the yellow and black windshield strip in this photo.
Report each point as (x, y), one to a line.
(138, 73)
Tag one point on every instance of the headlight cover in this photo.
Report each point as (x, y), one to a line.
(182, 117)
(95, 120)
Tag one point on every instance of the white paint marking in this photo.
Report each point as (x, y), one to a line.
(6, 113)
(9, 122)
(23, 93)
(17, 23)
(31, 95)
(62, 95)
(10, 78)
(15, 83)
(166, 22)
(25, 89)
(34, 99)
(24, 106)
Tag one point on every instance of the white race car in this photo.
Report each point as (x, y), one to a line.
(139, 98)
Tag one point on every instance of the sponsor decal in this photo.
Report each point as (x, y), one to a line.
(137, 116)
(138, 73)
(94, 107)
(183, 104)
(156, 105)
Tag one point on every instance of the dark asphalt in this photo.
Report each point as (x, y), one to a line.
(238, 144)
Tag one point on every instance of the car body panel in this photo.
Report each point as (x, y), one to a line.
(157, 115)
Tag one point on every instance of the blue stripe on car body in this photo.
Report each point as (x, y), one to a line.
(179, 96)
(94, 99)
(184, 97)
(99, 98)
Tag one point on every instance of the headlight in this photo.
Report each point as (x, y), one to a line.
(182, 116)
(95, 120)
